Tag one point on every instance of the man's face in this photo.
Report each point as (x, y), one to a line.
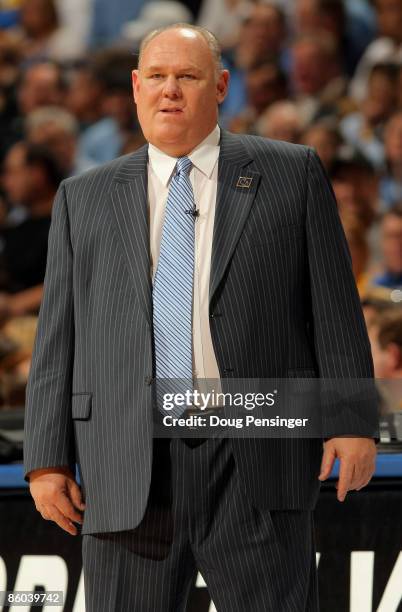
(39, 87)
(392, 243)
(383, 358)
(309, 75)
(389, 16)
(393, 139)
(177, 91)
(62, 144)
(15, 175)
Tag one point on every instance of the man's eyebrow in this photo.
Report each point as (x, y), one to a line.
(157, 68)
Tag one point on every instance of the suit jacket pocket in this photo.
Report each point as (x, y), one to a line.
(81, 404)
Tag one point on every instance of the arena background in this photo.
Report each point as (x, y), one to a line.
(325, 73)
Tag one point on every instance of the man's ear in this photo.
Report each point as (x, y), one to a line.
(222, 85)
(135, 82)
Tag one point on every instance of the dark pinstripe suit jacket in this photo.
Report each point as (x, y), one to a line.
(281, 279)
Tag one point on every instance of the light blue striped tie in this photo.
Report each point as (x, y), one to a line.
(173, 292)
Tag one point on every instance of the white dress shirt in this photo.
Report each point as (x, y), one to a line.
(204, 179)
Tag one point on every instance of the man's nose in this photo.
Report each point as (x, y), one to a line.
(172, 87)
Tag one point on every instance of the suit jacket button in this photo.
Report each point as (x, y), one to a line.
(148, 380)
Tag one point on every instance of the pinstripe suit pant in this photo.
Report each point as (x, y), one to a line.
(199, 518)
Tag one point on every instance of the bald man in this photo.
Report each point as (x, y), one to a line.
(159, 265)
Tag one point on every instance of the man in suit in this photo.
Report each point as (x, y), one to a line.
(255, 282)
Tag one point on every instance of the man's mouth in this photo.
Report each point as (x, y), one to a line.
(171, 111)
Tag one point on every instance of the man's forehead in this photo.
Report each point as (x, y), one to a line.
(168, 45)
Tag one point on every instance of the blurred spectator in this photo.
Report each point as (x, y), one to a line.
(262, 37)
(265, 84)
(391, 248)
(24, 246)
(39, 85)
(13, 180)
(43, 37)
(325, 139)
(10, 58)
(364, 129)
(385, 333)
(387, 47)
(57, 130)
(376, 301)
(85, 93)
(391, 182)
(351, 24)
(356, 237)
(318, 83)
(100, 95)
(261, 42)
(280, 121)
(356, 187)
(399, 88)
(42, 84)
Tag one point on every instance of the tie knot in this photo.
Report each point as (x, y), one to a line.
(183, 165)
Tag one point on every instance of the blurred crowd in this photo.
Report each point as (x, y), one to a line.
(324, 73)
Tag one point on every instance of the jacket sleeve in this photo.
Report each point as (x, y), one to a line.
(48, 433)
(349, 399)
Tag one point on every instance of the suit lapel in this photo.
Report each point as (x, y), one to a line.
(237, 187)
(129, 205)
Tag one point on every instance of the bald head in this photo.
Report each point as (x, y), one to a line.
(188, 30)
(177, 88)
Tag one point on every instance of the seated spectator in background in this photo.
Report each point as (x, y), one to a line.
(261, 40)
(100, 96)
(391, 181)
(12, 186)
(352, 27)
(399, 88)
(325, 138)
(356, 236)
(10, 58)
(57, 130)
(42, 36)
(265, 85)
(391, 249)
(318, 84)
(356, 187)
(376, 301)
(262, 37)
(24, 246)
(364, 129)
(387, 47)
(385, 333)
(280, 121)
(42, 84)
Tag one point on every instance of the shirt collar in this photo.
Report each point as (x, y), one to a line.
(203, 157)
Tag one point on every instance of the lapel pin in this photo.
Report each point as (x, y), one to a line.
(244, 182)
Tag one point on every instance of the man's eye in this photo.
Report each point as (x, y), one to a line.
(187, 76)
(156, 75)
